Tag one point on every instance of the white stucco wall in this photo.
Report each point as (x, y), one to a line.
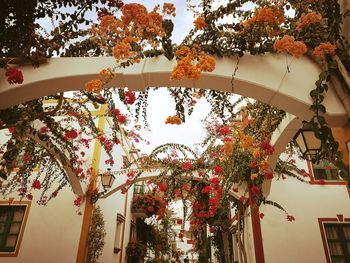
(300, 241)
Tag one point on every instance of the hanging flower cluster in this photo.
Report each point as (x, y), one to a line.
(266, 15)
(187, 66)
(289, 45)
(308, 19)
(323, 49)
(199, 23)
(173, 120)
(150, 203)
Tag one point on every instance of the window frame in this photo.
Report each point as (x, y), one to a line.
(27, 204)
(118, 233)
(322, 221)
(313, 180)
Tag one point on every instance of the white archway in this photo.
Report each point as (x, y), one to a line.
(261, 77)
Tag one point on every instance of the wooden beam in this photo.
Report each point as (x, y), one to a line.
(89, 206)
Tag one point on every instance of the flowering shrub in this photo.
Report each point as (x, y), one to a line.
(150, 203)
(135, 251)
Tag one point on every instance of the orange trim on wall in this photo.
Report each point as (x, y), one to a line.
(123, 233)
(321, 221)
(23, 226)
(257, 236)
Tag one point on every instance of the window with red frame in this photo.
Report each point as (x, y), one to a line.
(338, 241)
(326, 171)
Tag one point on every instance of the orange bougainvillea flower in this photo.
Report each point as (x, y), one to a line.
(94, 86)
(228, 148)
(173, 120)
(168, 9)
(206, 63)
(323, 49)
(187, 66)
(246, 141)
(106, 75)
(308, 19)
(199, 23)
(121, 50)
(289, 45)
(270, 15)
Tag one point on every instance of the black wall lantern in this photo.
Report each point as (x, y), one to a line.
(308, 143)
(107, 179)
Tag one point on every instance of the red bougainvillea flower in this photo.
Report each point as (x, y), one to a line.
(121, 118)
(181, 235)
(206, 189)
(261, 215)
(36, 184)
(150, 209)
(78, 201)
(290, 218)
(225, 130)
(29, 196)
(255, 189)
(235, 189)
(72, 134)
(162, 187)
(44, 129)
(179, 221)
(214, 180)
(14, 76)
(217, 170)
(186, 165)
(268, 176)
(130, 97)
(267, 147)
(242, 199)
(11, 129)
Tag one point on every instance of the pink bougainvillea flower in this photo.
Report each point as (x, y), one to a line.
(14, 76)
